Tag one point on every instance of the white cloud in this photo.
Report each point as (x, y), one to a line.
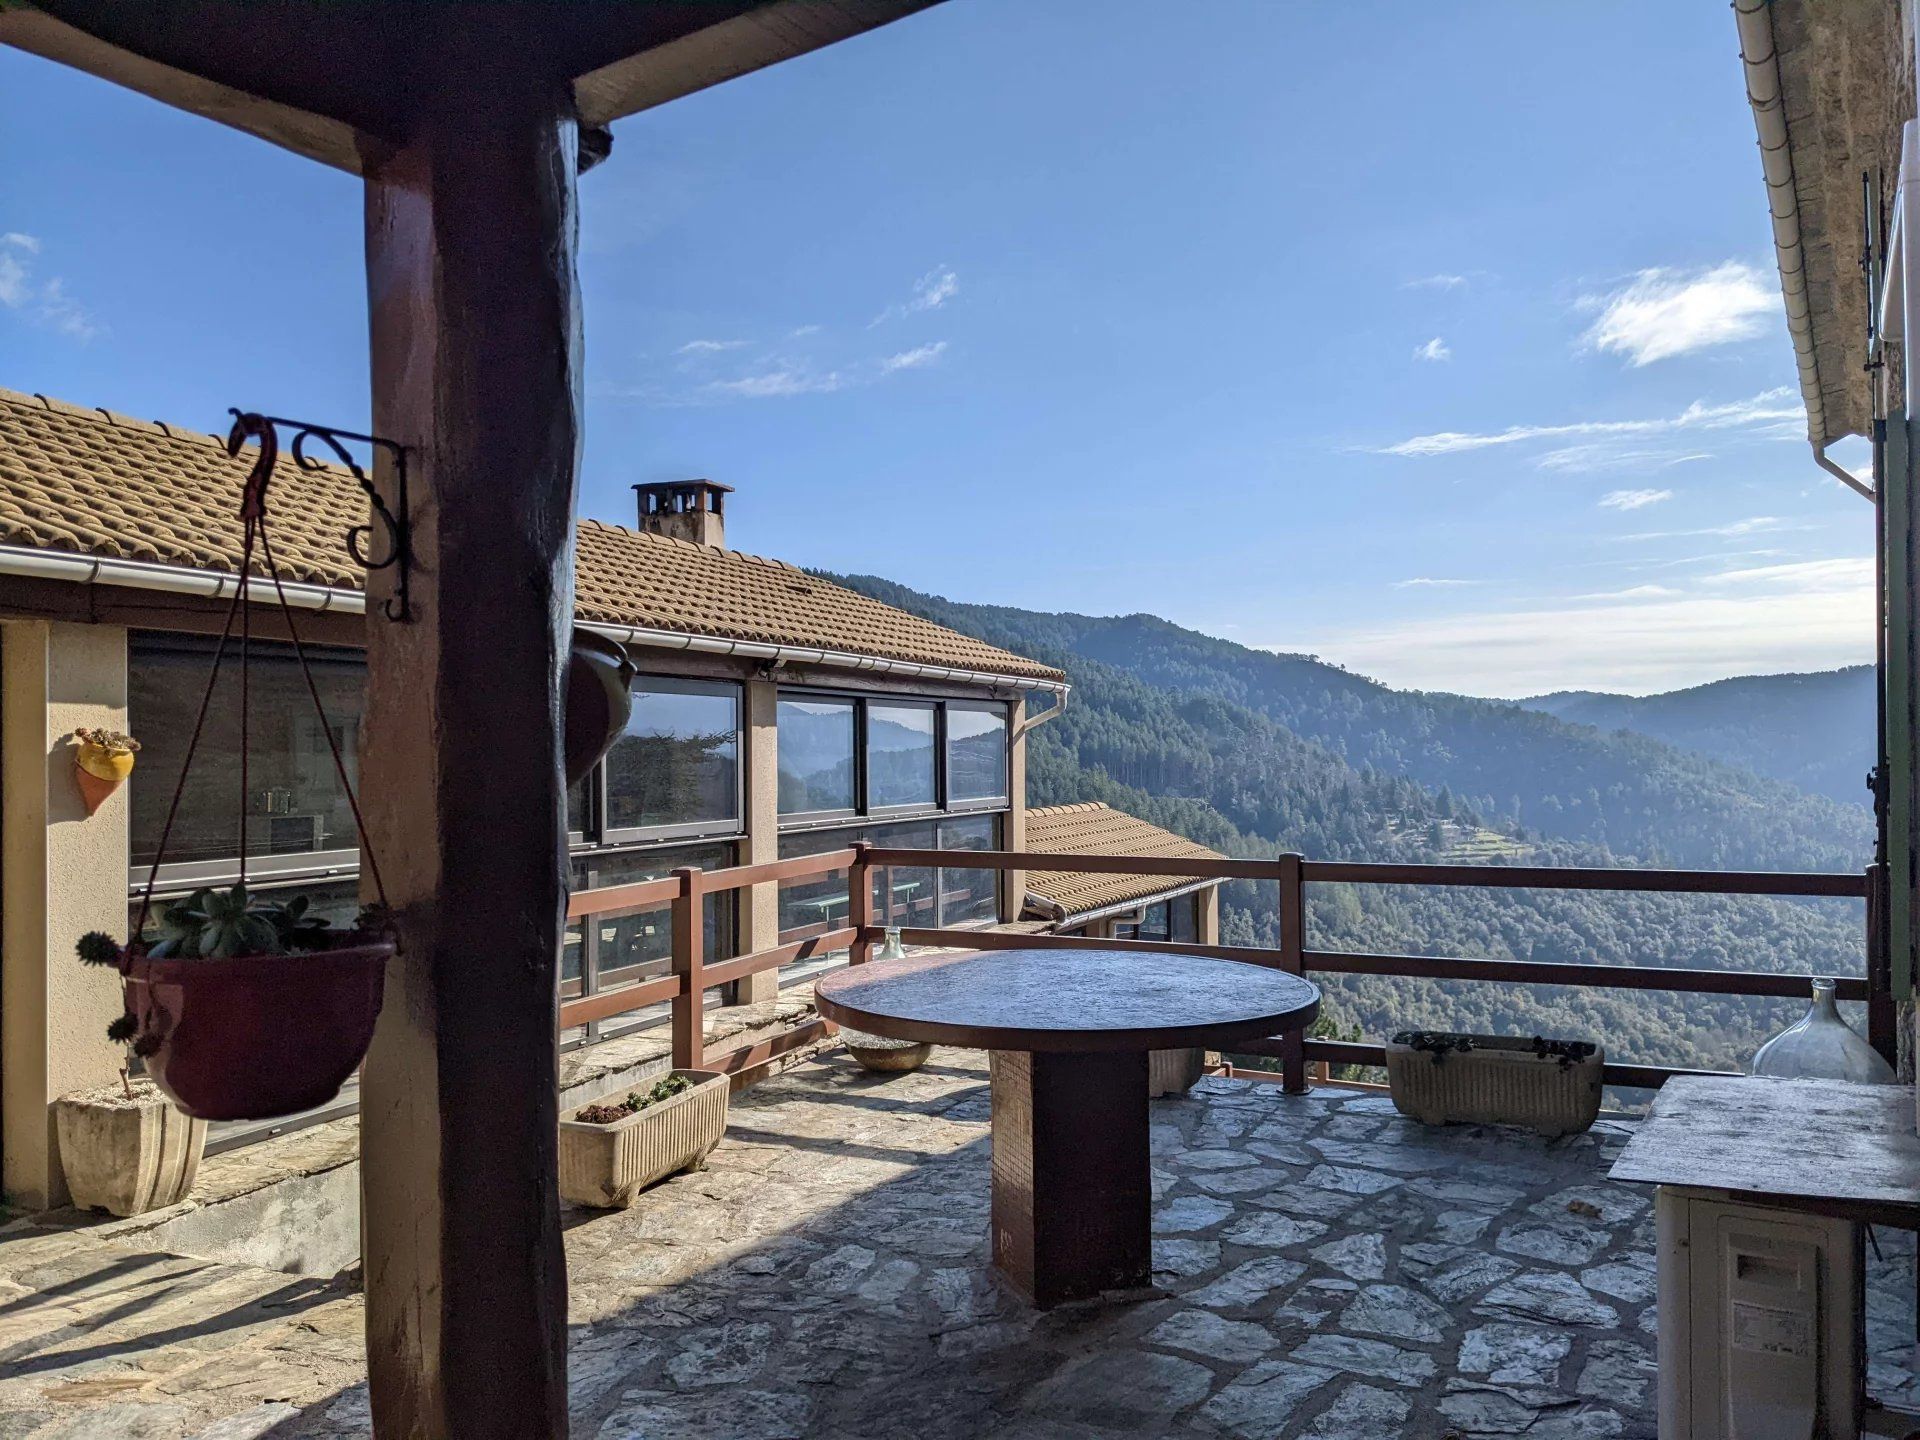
(1811, 616)
(1732, 530)
(1661, 313)
(1633, 592)
(710, 347)
(1425, 582)
(43, 302)
(1434, 349)
(1768, 406)
(1435, 282)
(1633, 499)
(1602, 456)
(931, 291)
(915, 359)
(778, 383)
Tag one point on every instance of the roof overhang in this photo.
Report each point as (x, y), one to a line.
(339, 82)
(1063, 916)
(1830, 83)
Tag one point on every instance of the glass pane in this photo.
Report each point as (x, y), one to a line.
(1154, 923)
(899, 755)
(639, 945)
(816, 755)
(904, 895)
(1186, 920)
(577, 807)
(976, 753)
(677, 763)
(816, 904)
(969, 896)
(294, 801)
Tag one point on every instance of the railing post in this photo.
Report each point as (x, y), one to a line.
(689, 1008)
(860, 905)
(1293, 945)
(1882, 1013)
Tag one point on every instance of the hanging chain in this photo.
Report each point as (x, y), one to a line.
(253, 514)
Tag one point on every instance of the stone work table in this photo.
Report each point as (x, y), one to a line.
(1330, 1272)
(1069, 1032)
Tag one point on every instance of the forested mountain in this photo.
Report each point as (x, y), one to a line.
(1253, 753)
(1814, 731)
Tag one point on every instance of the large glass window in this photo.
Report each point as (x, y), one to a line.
(616, 950)
(900, 756)
(969, 897)
(677, 766)
(902, 895)
(816, 753)
(976, 753)
(294, 802)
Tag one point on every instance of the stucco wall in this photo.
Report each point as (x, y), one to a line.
(62, 873)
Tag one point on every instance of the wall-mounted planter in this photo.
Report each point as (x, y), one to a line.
(127, 1154)
(606, 1166)
(1548, 1086)
(255, 1037)
(102, 761)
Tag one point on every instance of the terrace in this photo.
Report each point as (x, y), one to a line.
(1321, 1265)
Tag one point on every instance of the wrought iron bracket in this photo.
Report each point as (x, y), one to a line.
(394, 541)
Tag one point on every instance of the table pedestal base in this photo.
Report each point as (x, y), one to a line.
(1072, 1182)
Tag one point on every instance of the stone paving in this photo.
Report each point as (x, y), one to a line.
(1324, 1269)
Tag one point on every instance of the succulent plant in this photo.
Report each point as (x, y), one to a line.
(116, 742)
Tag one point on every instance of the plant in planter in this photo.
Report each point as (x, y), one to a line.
(612, 1150)
(211, 1005)
(102, 760)
(1442, 1078)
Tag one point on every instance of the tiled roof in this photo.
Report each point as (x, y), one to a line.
(94, 483)
(1096, 829)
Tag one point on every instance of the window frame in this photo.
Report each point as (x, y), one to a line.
(1002, 801)
(601, 834)
(822, 819)
(864, 757)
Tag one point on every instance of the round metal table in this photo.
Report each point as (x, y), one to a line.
(1069, 1032)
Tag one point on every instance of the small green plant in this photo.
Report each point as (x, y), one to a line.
(605, 1114)
(215, 924)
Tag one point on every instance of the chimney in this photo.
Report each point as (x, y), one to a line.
(692, 510)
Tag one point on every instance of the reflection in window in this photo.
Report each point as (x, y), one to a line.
(639, 946)
(678, 761)
(819, 903)
(969, 897)
(294, 800)
(904, 894)
(976, 753)
(900, 755)
(815, 742)
(1185, 923)
(335, 901)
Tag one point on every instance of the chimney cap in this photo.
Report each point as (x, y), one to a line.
(670, 487)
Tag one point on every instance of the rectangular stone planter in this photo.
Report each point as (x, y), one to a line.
(606, 1166)
(127, 1156)
(1495, 1080)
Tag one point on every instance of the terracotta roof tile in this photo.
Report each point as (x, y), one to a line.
(1096, 829)
(94, 483)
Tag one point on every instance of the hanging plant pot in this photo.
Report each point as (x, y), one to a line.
(599, 700)
(255, 1037)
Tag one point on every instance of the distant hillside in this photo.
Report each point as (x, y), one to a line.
(1253, 753)
(1815, 731)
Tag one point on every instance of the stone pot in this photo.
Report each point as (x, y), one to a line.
(885, 1056)
(127, 1156)
(1174, 1072)
(1550, 1087)
(606, 1166)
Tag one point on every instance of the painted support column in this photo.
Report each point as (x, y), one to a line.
(1207, 915)
(760, 904)
(63, 873)
(475, 335)
(1013, 883)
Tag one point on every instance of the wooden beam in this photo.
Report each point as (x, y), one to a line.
(474, 304)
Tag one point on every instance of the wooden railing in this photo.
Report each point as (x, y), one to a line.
(691, 975)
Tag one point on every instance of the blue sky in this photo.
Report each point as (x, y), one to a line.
(1439, 341)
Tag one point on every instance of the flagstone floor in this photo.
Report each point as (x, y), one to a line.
(1324, 1269)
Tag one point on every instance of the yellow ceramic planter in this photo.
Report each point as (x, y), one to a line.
(100, 770)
